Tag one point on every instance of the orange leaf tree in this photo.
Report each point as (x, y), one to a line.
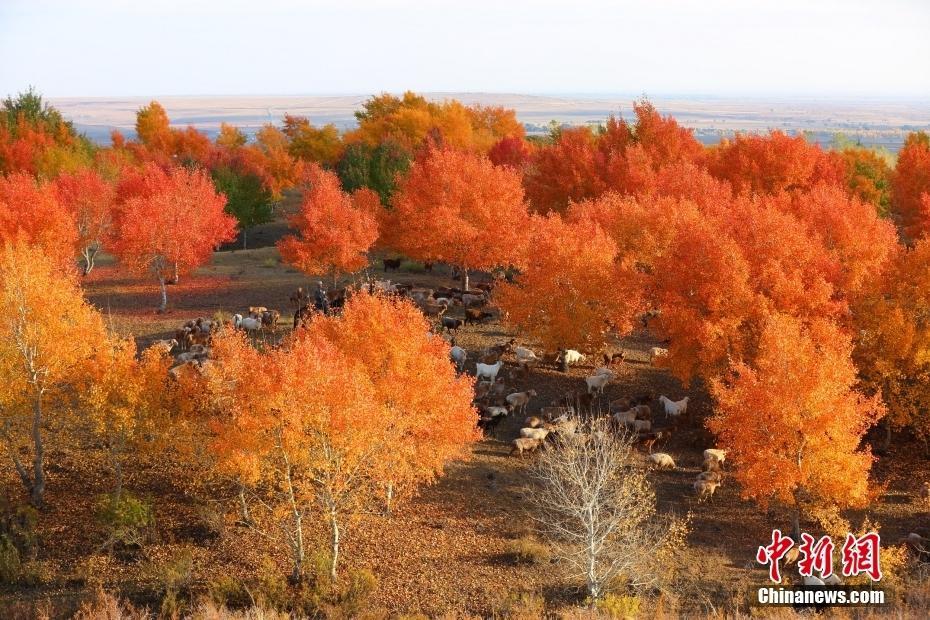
(893, 341)
(125, 400)
(170, 224)
(330, 423)
(31, 211)
(334, 230)
(48, 332)
(575, 288)
(910, 189)
(774, 163)
(426, 413)
(791, 422)
(461, 209)
(90, 201)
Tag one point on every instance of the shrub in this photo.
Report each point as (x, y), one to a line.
(410, 266)
(174, 579)
(106, 606)
(18, 543)
(618, 606)
(521, 606)
(528, 550)
(125, 519)
(227, 591)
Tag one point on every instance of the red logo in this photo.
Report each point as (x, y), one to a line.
(859, 555)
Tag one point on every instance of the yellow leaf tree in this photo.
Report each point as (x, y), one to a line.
(48, 333)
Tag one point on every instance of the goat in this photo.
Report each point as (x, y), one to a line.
(519, 400)
(662, 460)
(525, 357)
(711, 476)
(270, 319)
(166, 345)
(473, 301)
(674, 409)
(705, 488)
(552, 413)
(474, 315)
(597, 383)
(488, 371)
(613, 359)
(649, 439)
(249, 324)
(571, 356)
(534, 433)
(713, 453)
(639, 426)
(450, 324)
(524, 444)
(458, 356)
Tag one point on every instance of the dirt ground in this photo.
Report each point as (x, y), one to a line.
(444, 550)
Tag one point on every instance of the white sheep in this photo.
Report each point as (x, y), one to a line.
(519, 400)
(672, 408)
(597, 383)
(249, 324)
(525, 357)
(832, 580)
(810, 580)
(488, 371)
(716, 454)
(459, 356)
(496, 412)
(534, 433)
(571, 356)
(662, 460)
(605, 371)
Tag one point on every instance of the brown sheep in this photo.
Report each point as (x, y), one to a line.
(524, 444)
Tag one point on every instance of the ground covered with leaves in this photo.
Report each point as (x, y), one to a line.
(453, 548)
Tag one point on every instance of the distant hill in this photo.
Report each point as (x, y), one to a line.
(882, 122)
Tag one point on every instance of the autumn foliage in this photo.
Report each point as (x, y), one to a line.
(169, 223)
(911, 186)
(49, 333)
(347, 410)
(461, 209)
(575, 289)
(334, 230)
(792, 423)
(30, 211)
(90, 201)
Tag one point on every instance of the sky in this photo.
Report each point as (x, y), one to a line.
(818, 48)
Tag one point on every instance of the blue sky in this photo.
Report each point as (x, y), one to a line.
(828, 48)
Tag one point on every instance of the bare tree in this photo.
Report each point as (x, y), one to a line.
(598, 511)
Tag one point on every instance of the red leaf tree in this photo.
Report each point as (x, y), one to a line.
(170, 224)
(459, 208)
(31, 211)
(89, 199)
(335, 229)
(911, 186)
